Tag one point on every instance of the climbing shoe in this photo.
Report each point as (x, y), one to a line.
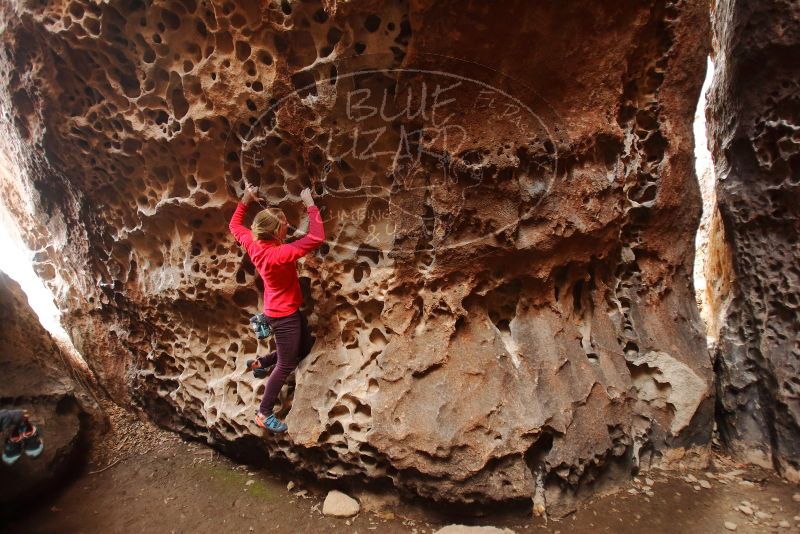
(271, 423)
(12, 450)
(31, 442)
(258, 371)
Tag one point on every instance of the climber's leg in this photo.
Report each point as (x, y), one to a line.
(306, 339)
(268, 360)
(287, 339)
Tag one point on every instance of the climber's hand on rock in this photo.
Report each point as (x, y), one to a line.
(305, 196)
(250, 194)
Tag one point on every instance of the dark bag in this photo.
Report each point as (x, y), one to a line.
(260, 326)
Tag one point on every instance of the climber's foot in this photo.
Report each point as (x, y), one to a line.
(12, 450)
(31, 442)
(271, 423)
(258, 371)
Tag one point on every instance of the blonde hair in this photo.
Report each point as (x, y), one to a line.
(266, 223)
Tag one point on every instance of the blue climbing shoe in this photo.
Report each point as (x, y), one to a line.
(258, 371)
(31, 442)
(271, 423)
(12, 450)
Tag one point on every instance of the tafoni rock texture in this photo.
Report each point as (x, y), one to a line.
(38, 376)
(754, 125)
(504, 307)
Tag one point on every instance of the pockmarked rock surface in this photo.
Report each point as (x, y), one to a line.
(503, 309)
(754, 127)
(37, 377)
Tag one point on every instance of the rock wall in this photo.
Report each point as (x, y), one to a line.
(504, 306)
(754, 125)
(37, 376)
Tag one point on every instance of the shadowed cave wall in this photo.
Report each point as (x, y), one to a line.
(754, 125)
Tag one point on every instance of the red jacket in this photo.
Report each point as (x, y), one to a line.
(277, 263)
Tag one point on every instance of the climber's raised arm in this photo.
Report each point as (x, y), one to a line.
(312, 240)
(237, 227)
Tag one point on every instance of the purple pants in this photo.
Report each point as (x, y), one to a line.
(293, 341)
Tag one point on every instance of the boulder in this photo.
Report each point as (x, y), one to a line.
(503, 307)
(338, 504)
(37, 376)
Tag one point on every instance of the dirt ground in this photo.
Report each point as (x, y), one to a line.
(142, 479)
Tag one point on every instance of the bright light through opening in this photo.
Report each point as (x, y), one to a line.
(705, 175)
(17, 262)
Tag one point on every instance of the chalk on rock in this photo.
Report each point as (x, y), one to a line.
(463, 529)
(730, 526)
(337, 504)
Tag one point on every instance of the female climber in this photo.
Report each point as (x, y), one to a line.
(276, 262)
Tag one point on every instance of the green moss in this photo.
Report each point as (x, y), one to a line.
(235, 481)
(262, 491)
